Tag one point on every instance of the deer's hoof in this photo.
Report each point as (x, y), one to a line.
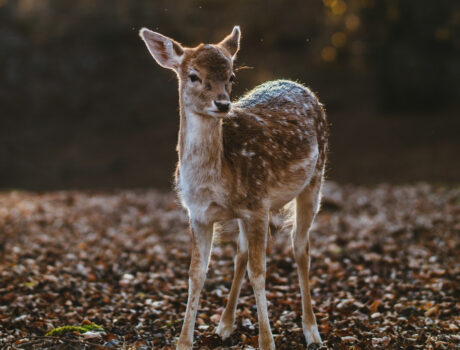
(224, 329)
(312, 335)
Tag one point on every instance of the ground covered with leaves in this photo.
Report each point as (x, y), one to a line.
(385, 272)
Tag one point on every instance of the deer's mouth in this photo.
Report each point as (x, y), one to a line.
(215, 113)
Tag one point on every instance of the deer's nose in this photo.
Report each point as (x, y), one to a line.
(222, 106)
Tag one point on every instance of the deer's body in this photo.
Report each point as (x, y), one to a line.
(263, 154)
(242, 162)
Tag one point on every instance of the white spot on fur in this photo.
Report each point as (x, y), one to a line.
(246, 153)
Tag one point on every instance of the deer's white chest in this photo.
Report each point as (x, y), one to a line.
(202, 195)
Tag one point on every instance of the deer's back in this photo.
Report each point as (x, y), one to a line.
(274, 141)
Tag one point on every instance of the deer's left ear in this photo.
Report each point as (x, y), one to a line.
(231, 43)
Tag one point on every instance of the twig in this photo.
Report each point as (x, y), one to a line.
(79, 341)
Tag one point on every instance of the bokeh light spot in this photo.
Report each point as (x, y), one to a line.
(338, 39)
(442, 34)
(328, 54)
(393, 13)
(352, 22)
(338, 7)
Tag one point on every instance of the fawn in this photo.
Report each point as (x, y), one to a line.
(241, 161)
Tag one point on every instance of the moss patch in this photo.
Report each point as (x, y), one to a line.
(85, 327)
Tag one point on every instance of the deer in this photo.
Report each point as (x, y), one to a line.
(241, 161)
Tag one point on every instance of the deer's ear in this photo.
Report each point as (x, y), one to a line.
(167, 52)
(231, 43)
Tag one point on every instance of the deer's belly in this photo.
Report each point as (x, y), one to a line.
(293, 182)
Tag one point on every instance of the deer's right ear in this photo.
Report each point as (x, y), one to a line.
(232, 41)
(167, 52)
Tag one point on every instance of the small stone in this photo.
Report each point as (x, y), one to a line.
(247, 323)
(20, 318)
(431, 311)
(126, 280)
(215, 318)
(349, 339)
(92, 335)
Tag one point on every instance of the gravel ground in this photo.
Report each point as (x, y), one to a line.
(385, 272)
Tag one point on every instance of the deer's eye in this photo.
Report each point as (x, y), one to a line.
(232, 78)
(193, 78)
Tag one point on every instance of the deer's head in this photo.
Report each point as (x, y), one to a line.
(205, 72)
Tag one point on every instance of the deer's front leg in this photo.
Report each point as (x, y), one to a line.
(227, 320)
(256, 228)
(201, 248)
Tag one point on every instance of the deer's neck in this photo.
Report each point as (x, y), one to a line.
(200, 143)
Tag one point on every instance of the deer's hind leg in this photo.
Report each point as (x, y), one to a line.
(307, 205)
(227, 320)
(256, 228)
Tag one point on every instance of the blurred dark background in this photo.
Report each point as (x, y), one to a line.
(83, 105)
